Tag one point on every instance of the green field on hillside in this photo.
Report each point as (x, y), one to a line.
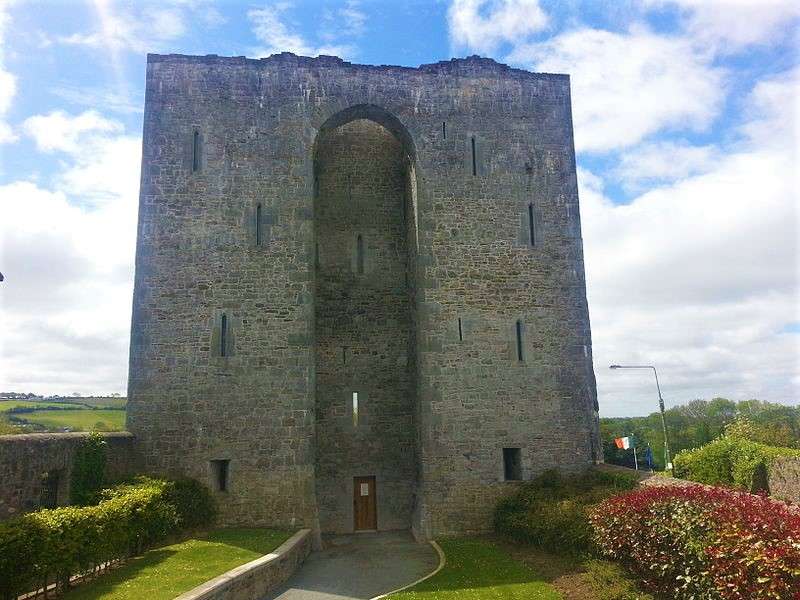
(93, 401)
(9, 404)
(78, 420)
(57, 414)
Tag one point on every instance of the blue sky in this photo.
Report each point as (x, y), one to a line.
(686, 126)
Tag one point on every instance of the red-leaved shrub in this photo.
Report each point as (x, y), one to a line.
(703, 542)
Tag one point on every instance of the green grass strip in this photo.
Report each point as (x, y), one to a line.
(78, 420)
(163, 573)
(477, 569)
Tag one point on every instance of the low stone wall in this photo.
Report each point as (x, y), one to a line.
(255, 579)
(36, 468)
(784, 478)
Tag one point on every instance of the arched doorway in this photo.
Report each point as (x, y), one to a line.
(365, 250)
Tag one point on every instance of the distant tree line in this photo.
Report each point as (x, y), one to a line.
(697, 423)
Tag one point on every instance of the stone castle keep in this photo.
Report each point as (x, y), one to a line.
(359, 298)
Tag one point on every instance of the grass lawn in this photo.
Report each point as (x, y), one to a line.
(578, 578)
(78, 420)
(489, 569)
(163, 573)
(478, 569)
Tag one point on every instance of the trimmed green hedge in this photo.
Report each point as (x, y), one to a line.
(54, 544)
(551, 511)
(732, 461)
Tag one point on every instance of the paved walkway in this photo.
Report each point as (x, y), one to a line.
(359, 567)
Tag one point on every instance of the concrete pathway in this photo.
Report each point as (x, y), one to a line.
(359, 567)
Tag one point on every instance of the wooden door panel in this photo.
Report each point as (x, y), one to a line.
(365, 514)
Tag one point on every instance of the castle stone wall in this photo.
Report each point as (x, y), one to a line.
(784, 478)
(489, 145)
(28, 461)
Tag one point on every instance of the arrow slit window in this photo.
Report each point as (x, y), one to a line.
(512, 464)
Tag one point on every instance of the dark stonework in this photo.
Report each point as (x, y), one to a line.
(363, 324)
(437, 170)
(31, 463)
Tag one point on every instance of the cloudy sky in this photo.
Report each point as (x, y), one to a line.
(686, 124)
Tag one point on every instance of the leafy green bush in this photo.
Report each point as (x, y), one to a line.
(730, 460)
(58, 543)
(192, 500)
(88, 469)
(551, 511)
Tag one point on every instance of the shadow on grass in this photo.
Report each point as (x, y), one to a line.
(479, 568)
(166, 572)
(577, 578)
(489, 568)
(248, 539)
(107, 582)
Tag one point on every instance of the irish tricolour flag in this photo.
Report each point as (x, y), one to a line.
(624, 443)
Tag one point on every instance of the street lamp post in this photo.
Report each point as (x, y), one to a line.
(668, 460)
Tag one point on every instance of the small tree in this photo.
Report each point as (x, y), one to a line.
(742, 428)
(88, 469)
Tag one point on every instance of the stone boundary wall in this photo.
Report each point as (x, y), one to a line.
(253, 580)
(30, 463)
(784, 479)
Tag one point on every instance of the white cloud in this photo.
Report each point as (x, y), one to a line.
(768, 125)
(482, 26)
(701, 276)
(276, 36)
(8, 82)
(62, 132)
(140, 27)
(102, 164)
(118, 101)
(351, 19)
(627, 86)
(727, 26)
(143, 27)
(127, 30)
(67, 256)
(664, 161)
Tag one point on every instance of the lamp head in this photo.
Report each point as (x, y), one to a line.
(614, 367)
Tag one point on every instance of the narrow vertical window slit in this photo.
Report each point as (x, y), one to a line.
(512, 464)
(519, 341)
(474, 159)
(444, 130)
(196, 151)
(355, 409)
(258, 224)
(531, 225)
(360, 255)
(223, 335)
(220, 470)
(460, 331)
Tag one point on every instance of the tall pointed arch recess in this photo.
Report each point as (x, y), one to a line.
(371, 112)
(365, 226)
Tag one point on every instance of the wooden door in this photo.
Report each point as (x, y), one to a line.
(365, 513)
